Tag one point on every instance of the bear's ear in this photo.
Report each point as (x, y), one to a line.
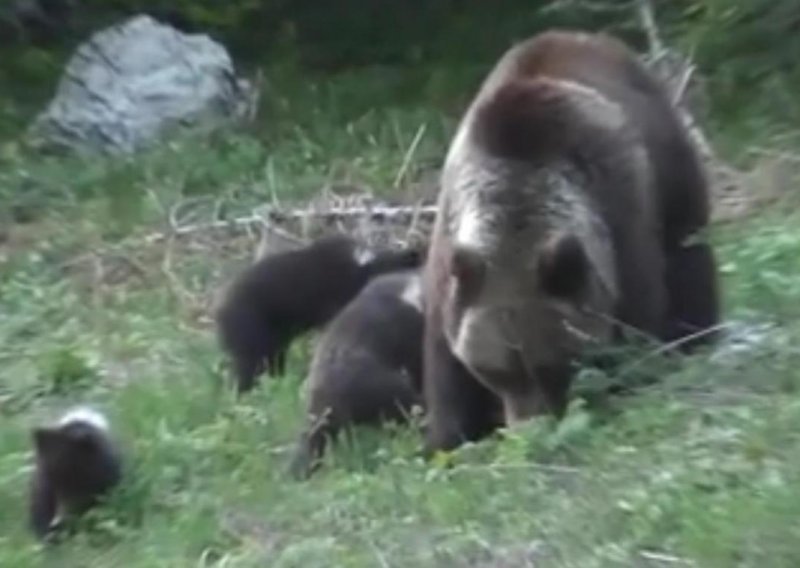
(469, 270)
(563, 267)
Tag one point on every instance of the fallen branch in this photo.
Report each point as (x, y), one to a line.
(373, 213)
(271, 216)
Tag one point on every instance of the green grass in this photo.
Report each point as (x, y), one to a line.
(702, 467)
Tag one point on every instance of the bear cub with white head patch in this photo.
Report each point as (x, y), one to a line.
(571, 196)
(366, 367)
(77, 463)
(284, 295)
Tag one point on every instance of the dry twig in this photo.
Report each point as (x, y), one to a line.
(662, 558)
(409, 155)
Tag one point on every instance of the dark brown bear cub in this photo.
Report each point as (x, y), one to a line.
(283, 295)
(77, 463)
(365, 365)
(571, 198)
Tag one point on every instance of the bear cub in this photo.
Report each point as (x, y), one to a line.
(77, 463)
(366, 366)
(284, 295)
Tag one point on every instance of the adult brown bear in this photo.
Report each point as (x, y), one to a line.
(570, 202)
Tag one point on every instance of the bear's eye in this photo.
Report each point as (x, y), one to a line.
(563, 267)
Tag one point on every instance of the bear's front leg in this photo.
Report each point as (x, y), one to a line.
(459, 409)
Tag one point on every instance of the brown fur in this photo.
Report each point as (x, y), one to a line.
(364, 367)
(568, 196)
(284, 295)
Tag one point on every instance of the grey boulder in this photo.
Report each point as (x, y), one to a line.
(129, 84)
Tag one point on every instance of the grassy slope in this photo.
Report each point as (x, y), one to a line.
(703, 467)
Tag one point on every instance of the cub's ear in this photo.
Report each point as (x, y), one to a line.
(563, 267)
(469, 270)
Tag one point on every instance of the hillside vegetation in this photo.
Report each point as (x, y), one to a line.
(698, 466)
